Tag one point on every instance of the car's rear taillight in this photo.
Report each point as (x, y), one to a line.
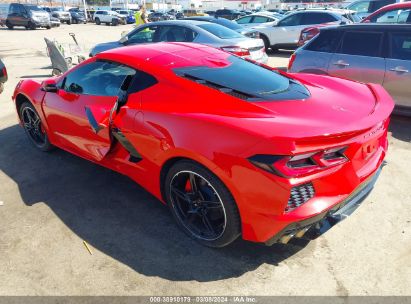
(290, 63)
(307, 34)
(239, 51)
(300, 164)
(4, 72)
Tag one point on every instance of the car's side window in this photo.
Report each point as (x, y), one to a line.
(404, 16)
(177, 34)
(362, 44)
(394, 16)
(400, 46)
(317, 18)
(326, 41)
(260, 19)
(244, 20)
(292, 20)
(145, 35)
(99, 78)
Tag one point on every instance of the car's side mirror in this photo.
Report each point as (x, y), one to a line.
(49, 86)
(124, 39)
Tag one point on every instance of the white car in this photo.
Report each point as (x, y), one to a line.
(108, 17)
(257, 19)
(286, 32)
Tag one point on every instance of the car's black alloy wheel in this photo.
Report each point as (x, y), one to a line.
(33, 127)
(202, 205)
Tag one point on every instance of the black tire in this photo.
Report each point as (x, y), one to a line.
(48, 27)
(266, 42)
(31, 26)
(223, 215)
(97, 21)
(274, 49)
(69, 22)
(114, 22)
(9, 25)
(39, 136)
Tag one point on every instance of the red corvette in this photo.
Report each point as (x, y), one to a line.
(234, 148)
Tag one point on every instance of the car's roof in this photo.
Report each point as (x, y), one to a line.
(319, 10)
(201, 18)
(391, 7)
(165, 55)
(179, 22)
(370, 27)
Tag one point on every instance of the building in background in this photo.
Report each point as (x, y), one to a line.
(212, 5)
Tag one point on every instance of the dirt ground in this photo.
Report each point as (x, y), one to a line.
(53, 202)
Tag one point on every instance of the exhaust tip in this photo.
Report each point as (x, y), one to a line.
(301, 232)
(286, 238)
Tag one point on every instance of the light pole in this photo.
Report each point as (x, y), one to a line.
(85, 9)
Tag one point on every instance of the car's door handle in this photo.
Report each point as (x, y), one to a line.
(341, 63)
(399, 69)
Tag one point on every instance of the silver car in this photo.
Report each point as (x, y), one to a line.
(371, 53)
(191, 31)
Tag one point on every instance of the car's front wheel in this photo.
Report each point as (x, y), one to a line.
(33, 127)
(201, 204)
(97, 21)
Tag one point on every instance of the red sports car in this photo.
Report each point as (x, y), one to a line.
(232, 147)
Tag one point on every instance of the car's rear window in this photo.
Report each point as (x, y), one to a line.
(227, 23)
(220, 31)
(245, 80)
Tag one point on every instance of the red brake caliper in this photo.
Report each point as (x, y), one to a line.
(188, 187)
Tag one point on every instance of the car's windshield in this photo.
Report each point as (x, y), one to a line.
(33, 8)
(220, 31)
(57, 9)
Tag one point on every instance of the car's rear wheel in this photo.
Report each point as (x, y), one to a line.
(9, 25)
(201, 204)
(33, 127)
(266, 42)
(97, 21)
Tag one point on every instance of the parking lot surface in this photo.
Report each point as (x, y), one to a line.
(53, 202)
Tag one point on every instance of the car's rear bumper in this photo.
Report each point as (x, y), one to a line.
(317, 225)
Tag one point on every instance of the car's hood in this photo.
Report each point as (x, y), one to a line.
(105, 47)
(39, 14)
(61, 13)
